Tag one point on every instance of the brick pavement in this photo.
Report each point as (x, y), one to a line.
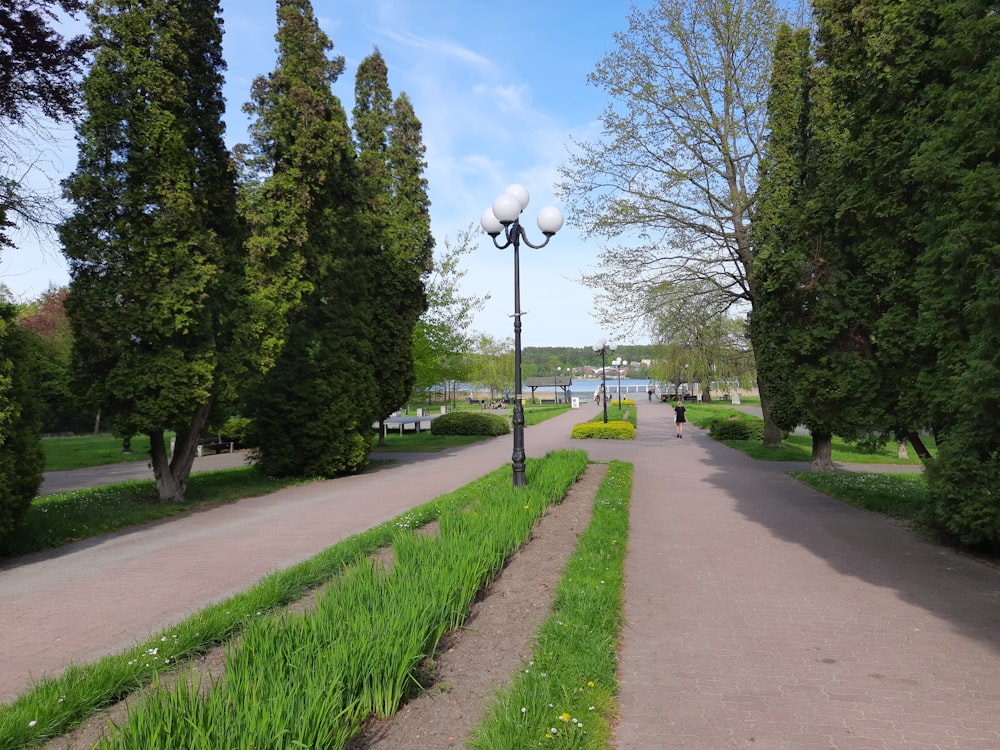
(758, 612)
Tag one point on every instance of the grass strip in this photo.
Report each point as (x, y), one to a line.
(897, 495)
(313, 679)
(565, 695)
(82, 451)
(55, 520)
(56, 705)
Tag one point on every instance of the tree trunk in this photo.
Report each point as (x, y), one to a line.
(381, 432)
(919, 448)
(172, 473)
(772, 433)
(97, 423)
(822, 453)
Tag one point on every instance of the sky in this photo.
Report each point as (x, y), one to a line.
(501, 90)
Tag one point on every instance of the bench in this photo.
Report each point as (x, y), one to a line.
(217, 443)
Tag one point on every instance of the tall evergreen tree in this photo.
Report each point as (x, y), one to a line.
(21, 456)
(917, 180)
(153, 240)
(397, 222)
(810, 336)
(310, 276)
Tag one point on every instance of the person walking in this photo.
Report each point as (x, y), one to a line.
(679, 419)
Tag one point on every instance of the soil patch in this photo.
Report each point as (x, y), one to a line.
(471, 662)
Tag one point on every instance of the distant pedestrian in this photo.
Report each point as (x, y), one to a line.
(679, 419)
(649, 393)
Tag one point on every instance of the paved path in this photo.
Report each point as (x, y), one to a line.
(758, 613)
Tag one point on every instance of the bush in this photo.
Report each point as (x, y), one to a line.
(236, 429)
(613, 430)
(737, 429)
(21, 455)
(470, 423)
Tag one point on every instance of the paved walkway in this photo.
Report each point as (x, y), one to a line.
(758, 613)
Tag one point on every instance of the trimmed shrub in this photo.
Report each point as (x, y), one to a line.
(613, 430)
(737, 429)
(470, 423)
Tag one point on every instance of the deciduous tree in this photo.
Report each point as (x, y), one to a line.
(674, 178)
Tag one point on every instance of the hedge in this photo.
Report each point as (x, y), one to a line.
(470, 423)
(737, 429)
(613, 430)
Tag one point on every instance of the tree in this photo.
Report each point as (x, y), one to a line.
(492, 364)
(38, 71)
(697, 341)
(51, 384)
(21, 455)
(310, 266)
(916, 177)
(443, 334)
(153, 240)
(397, 225)
(675, 175)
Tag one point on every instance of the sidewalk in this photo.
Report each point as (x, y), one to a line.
(758, 612)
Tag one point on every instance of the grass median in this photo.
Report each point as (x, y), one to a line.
(335, 673)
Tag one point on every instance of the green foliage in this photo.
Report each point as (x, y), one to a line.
(964, 484)
(21, 455)
(311, 273)
(395, 215)
(570, 681)
(321, 674)
(153, 240)
(237, 428)
(613, 430)
(737, 429)
(470, 423)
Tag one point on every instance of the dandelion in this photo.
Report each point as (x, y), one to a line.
(590, 684)
(524, 709)
(564, 716)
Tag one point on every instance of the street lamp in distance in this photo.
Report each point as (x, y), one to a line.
(619, 363)
(504, 217)
(602, 347)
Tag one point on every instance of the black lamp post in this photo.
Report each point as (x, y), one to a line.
(619, 363)
(602, 347)
(555, 386)
(504, 218)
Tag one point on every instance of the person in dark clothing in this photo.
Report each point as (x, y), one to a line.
(679, 419)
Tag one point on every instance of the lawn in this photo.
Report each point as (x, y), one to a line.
(82, 451)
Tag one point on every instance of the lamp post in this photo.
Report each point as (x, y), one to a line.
(602, 347)
(619, 363)
(555, 386)
(504, 218)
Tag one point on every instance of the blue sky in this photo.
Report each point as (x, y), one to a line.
(501, 90)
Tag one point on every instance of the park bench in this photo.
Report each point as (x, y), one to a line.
(217, 443)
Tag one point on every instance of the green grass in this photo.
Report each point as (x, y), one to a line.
(799, 448)
(896, 495)
(479, 523)
(565, 694)
(422, 442)
(82, 451)
(54, 520)
(537, 414)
